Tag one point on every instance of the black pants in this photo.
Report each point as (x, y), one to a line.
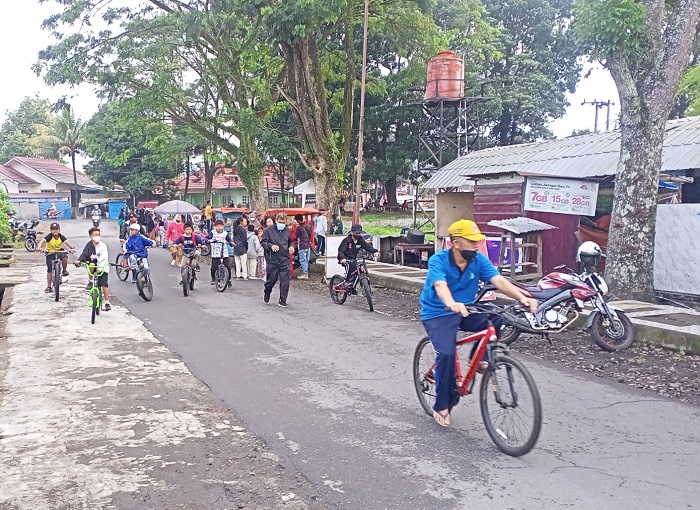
(350, 271)
(215, 265)
(277, 271)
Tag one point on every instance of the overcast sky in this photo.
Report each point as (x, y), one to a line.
(21, 38)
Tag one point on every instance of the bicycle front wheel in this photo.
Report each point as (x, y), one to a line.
(511, 406)
(121, 267)
(144, 285)
(367, 291)
(221, 277)
(185, 281)
(424, 375)
(94, 303)
(56, 280)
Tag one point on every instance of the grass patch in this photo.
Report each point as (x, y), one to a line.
(382, 230)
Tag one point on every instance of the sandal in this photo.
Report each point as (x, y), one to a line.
(48, 290)
(442, 417)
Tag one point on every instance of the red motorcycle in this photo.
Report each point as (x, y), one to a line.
(561, 297)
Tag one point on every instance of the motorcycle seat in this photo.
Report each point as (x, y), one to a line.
(543, 295)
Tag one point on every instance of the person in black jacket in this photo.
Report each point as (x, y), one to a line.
(349, 249)
(277, 243)
(124, 231)
(240, 247)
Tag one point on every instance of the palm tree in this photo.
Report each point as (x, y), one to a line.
(64, 137)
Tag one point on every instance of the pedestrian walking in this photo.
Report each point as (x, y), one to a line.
(121, 219)
(175, 229)
(321, 229)
(303, 235)
(240, 247)
(253, 248)
(208, 216)
(151, 226)
(336, 226)
(277, 242)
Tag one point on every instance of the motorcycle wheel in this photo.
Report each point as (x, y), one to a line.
(509, 334)
(30, 244)
(612, 337)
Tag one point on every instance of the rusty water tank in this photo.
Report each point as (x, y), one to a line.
(445, 76)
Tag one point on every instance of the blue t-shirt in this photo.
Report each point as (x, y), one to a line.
(463, 285)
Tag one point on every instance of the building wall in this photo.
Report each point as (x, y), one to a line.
(559, 245)
(450, 207)
(9, 185)
(44, 182)
(677, 249)
(497, 202)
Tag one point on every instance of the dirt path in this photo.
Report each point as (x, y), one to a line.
(642, 366)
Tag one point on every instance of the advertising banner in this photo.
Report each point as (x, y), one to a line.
(563, 196)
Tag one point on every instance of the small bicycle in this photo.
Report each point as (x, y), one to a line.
(222, 276)
(143, 274)
(95, 291)
(56, 271)
(339, 290)
(514, 418)
(189, 274)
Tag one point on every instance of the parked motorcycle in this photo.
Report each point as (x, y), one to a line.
(562, 296)
(30, 242)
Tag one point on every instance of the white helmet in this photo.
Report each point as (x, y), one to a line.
(589, 254)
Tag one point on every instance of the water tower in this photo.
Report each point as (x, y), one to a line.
(450, 126)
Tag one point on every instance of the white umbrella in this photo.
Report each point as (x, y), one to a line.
(176, 207)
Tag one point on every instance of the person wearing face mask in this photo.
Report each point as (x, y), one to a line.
(95, 252)
(278, 244)
(175, 230)
(349, 249)
(450, 286)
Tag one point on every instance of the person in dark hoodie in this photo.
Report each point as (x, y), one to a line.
(277, 243)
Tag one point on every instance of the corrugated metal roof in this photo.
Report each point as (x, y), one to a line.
(585, 156)
(16, 176)
(521, 225)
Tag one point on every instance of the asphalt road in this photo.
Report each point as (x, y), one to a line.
(330, 389)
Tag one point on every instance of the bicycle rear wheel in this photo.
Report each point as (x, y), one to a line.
(338, 293)
(144, 285)
(513, 417)
(367, 291)
(221, 277)
(423, 375)
(56, 280)
(94, 303)
(121, 267)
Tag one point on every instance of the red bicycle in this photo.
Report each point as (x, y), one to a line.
(513, 418)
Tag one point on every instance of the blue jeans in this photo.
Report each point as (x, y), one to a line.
(304, 259)
(443, 335)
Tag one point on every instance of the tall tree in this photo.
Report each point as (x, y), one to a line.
(132, 148)
(646, 45)
(20, 125)
(63, 136)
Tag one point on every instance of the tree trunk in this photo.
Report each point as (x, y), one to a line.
(75, 200)
(390, 185)
(252, 172)
(209, 171)
(187, 178)
(327, 190)
(631, 247)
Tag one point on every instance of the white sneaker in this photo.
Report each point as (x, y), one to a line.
(173, 263)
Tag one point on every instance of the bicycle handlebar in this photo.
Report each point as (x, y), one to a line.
(91, 269)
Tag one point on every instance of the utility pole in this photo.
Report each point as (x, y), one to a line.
(360, 142)
(598, 105)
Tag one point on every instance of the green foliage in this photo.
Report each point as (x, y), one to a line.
(690, 87)
(131, 147)
(5, 210)
(605, 27)
(20, 126)
(61, 136)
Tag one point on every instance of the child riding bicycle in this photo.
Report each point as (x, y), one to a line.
(136, 246)
(53, 243)
(95, 252)
(190, 243)
(219, 235)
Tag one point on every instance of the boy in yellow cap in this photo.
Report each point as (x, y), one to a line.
(452, 284)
